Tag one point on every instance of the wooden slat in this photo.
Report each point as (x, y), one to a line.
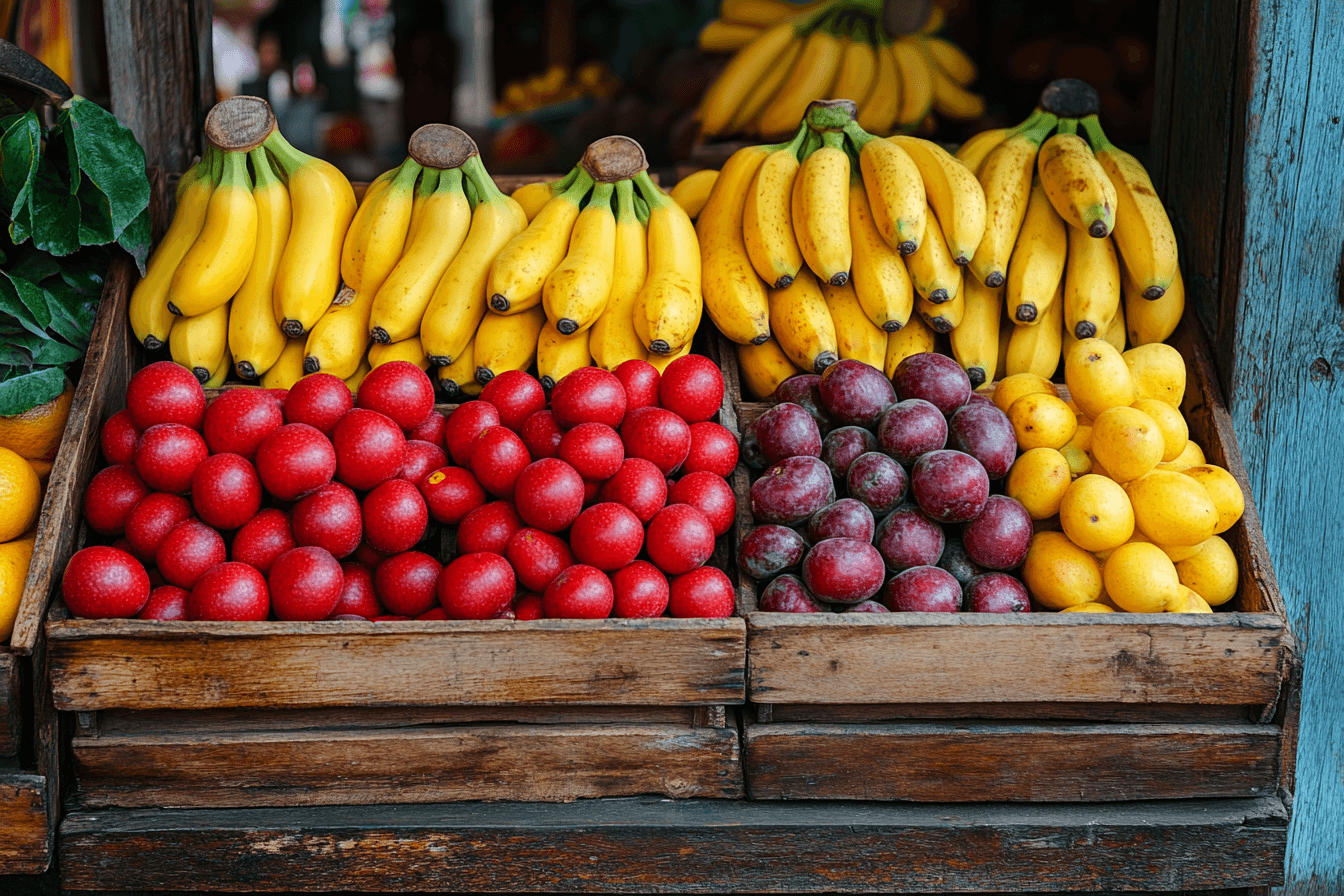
(683, 846)
(1131, 713)
(1009, 761)
(24, 847)
(11, 705)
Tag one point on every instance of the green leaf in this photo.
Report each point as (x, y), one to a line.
(71, 313)
(95, 217)
(32, 265)
(135, 240)
(56, 353)
(28, 390)
(56, 218)
(20, 152)
(110, 158)
(13, 354)
(20, 300)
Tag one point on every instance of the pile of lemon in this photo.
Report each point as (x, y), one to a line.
(1128, 511)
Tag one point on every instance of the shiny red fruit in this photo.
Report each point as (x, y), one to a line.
(167, 455)
(452, 493)
(476, 586)
(370, 448)
(517, 395)
(641, 591)
(657, 435)
(527, 607)
(305, 584)
(431, 430)
(165, 392)
(537, 557)
(595, 450)
(588, 395)
(295, 460)
(357, 595)
(692, 388)
(679, 539)
(713, 450)
(711, 494)
(704, 593)
(639, 485)
(607, 535)
(239, 419)
(464, 425)
(400, 390)
(263, 538)
(541, 435)
(230, 592)
(395, 517)
(150, 521)
(640, 381)
(406, 582)
(188, 551)
(104, 583)
(422, 458)
(549, 494)
(167, 603)
(580, 592)
(488, 528)
(226, 491)
(320, 400)
(498, 456)
(330, 519)
(118, 437)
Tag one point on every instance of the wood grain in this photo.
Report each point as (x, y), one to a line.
(620, 845)
(1128, 713)
(1009, 761)
(11, 705)
(24, 847)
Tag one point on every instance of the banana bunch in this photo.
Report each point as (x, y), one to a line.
(787, 55)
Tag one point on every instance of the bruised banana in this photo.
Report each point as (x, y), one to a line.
(1006, 177)
(954, 194)
(1075, 182)
(895, 189)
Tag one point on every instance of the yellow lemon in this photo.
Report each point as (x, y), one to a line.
(1060, 574)
(1170, 511)
(1191, 456)
(1140, 578)
(1082, 436)
(1088, 608)
(37, 432)
(1011, 388)
(1080, 462)
(1224, 491)
(1158, 371)
(1038, 480)
(1188, 601)
(1096, 514)
(1211, 573)
(1042, 421)
(1175, 431)
(1128, 443)
(1098, 469)
(20, 495)
(1098, 377)
(1174, 553)
(14, 559)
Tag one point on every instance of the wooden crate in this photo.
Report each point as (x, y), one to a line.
(1031, 707)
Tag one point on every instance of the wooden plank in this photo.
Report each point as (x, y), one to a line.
(691, 846)
(24, 847)
(1131, 713)
(552, 763)
(1009, 761)
(11, 705)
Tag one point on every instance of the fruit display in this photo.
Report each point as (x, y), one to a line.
(556, 85)
(312, 503)
(21, 492)
(883, 56)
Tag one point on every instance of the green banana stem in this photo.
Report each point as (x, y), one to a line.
(625, 200)
(563, 183)
(407, 172)
(814, 22)
(262, 173)
(234, 171)
(286, 156)
(830, 117)
(473, 170)
(429, 182)
(451, 181)
(1091, 126)
(834, 139)
(601, 195)
(655, 197)
(1041, 129)
(642, 211)
(216, 165)
(792, 145)
(579, 188)
(811, 143)
(1068, 126)
(858, 136)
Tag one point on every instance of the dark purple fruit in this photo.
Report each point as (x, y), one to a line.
(842, 445)
(791, 491)
(803, 390)
(846, 518)
(787, 430)
(843, 570)
(956, 561)
(923, 589)
(950, 486)
(984, 432)
(769, 550)
(877, 481)
(856, 393)
(911, 428)
(999, 537)
(935, 378)
(786, 594)
(996, 592)
(906, 538)
(867, 606)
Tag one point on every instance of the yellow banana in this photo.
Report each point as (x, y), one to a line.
(533, 197)
(221, 374)
(323, 204)
(764, 367)
(943, 317)
(1075, 182)
(424, 188)
(692, 191)
(1006, 177)
(1091, 285)
(953, 193)
(1143, 233)
(287, 369)
(1006, 329)
(660, 362)
(520, 269)
(1153, 320)
(337, 342)
(951, 99)
(820, 206)
(577, 291)
(459, 300)
(377, 232)
(719, 36)
(559, 355)
(808, 80)
(855, 335)
(206, 168)
(750, 64)
(879, 275)
(734, 296)
(936, 277)
(916, 82)
(858, 69)
(399, 303)
(878, 111)
(1037, 265)
(150, 318)
(613, 340)
(375, 186)
(911, 339)
(895, 189)
(506, 342)
(801, 323)
(405, 350)
(198, 343)
(1036, 349)
(458, 379)
(217, 262)
(751, 106)
(975, 341)
(255, 339)
(1115, 332)
(767, 215)
(353, 381)
(763, 13)
(951, 59)
(671, 296)
(972, 153)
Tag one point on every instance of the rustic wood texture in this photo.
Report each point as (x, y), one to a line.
(1128, 713)
(11, 705)
(1010, 761)
(24, 844)
(682, 846)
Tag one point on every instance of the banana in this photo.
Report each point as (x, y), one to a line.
(734, 296)
(1075, 182)
(1115, 332)
(375, 186)
(1143, 232)
(205, 167)
(1006, 177)
(855, 335)
(911, 339)
(400, 301)
(935, 274)
(198, 343)
(975, 341)
(337, 342)
(719, 36)
(613, 340)
(577, 291)
(916, 82)
(808, 80)
(801, 322)
(753, 104)
(377, 232)
(895, 189)
(405, 350)
(692, 191)
(878, 111)
(1036, 349)
(533, 197)
(820, 206)
(767, 226)
(255, 339)
(1091, 285)
(880, 278)
(507, 342)
(217, 262)
(323, 204)
(287, 369)
(951, 59)
(764, 367)
(671, 298)
(972, 153)
(458, 379)
(520, 269)
(951, 99)
(945, 316)
(459, 300)
(858, 68)
(1037, 264)
(353, 381)
(424, 188)
(953, 193)
(221, 374)
(559, 355)
(1153, 320)
(750, 65)
(660, 362)
(1006, 329)
(150, 318)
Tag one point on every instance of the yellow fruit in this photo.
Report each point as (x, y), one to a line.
(1175, 431)
(1127, 442)
(1041, 420)
(1083, 437)
(1011, 388)
(14, 559)
(36, 433)
(1175, 553)
(692, 191)
(1060, 574)
(1080, 462)
(533, 197)
(1223, 490)
(1088, 608)
(1191, 456)
(1098, 377)
(1096, 514)
(911, 339)
(1140, 578)
(1188, 601)
(288, 368)
(1038, 480)
(1157, 371)
(20, 495)
(1172, 508)
(1211, 573)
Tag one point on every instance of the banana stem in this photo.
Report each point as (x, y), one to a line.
(263, 175)
(1041, 129)
(655, 197)
(429, 182)
(832, 115)
(234, 172)
(581, 185)
(601, 195)
(564, 183)
(1091, 126)
(833, 139)
(625, 200)
(1068, 126)
(792, 145)
(642, 211)
(407, 172)
(286, 156)
(473, 170)
(811, 144)
(216, 165)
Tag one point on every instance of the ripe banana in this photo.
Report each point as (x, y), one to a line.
(879, 275)
(692, 191)
(458, 379)
(217, 262)
(935, 275)
(767, 216)
(255, 339)
(1006, 177)
(752, 63)
(734, 296)
(953, 193)
(613, 340)
(520, 269)
(1115, 332)
(975, 341)
(198, 343)
(754, 102)
(287, 369)
(671, 296)
(916, 83)
(377, 232)
(879, 110)
(972, 153)
(911, 339)
(719, 36)
(801, 323)
(895, 189)
(323, 204)
(855, 335)
(1035, 349)
(400, 301)
(1037, 264)
(353, 381)
(1005, 334)
(533, 197)
(820, 206)
(337, 342)
(507, 342)
(424, 188)
(1153, 320)
(951, 99)
(1075, 182)
(1143, 232)
(945, 316)
(1091, 285)
(660, 362)
(858, 68)
(577, 291)
(559, 355)
(764, 367)
(221, 374)
(808, 80)
(951, 59)
(406, 350)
